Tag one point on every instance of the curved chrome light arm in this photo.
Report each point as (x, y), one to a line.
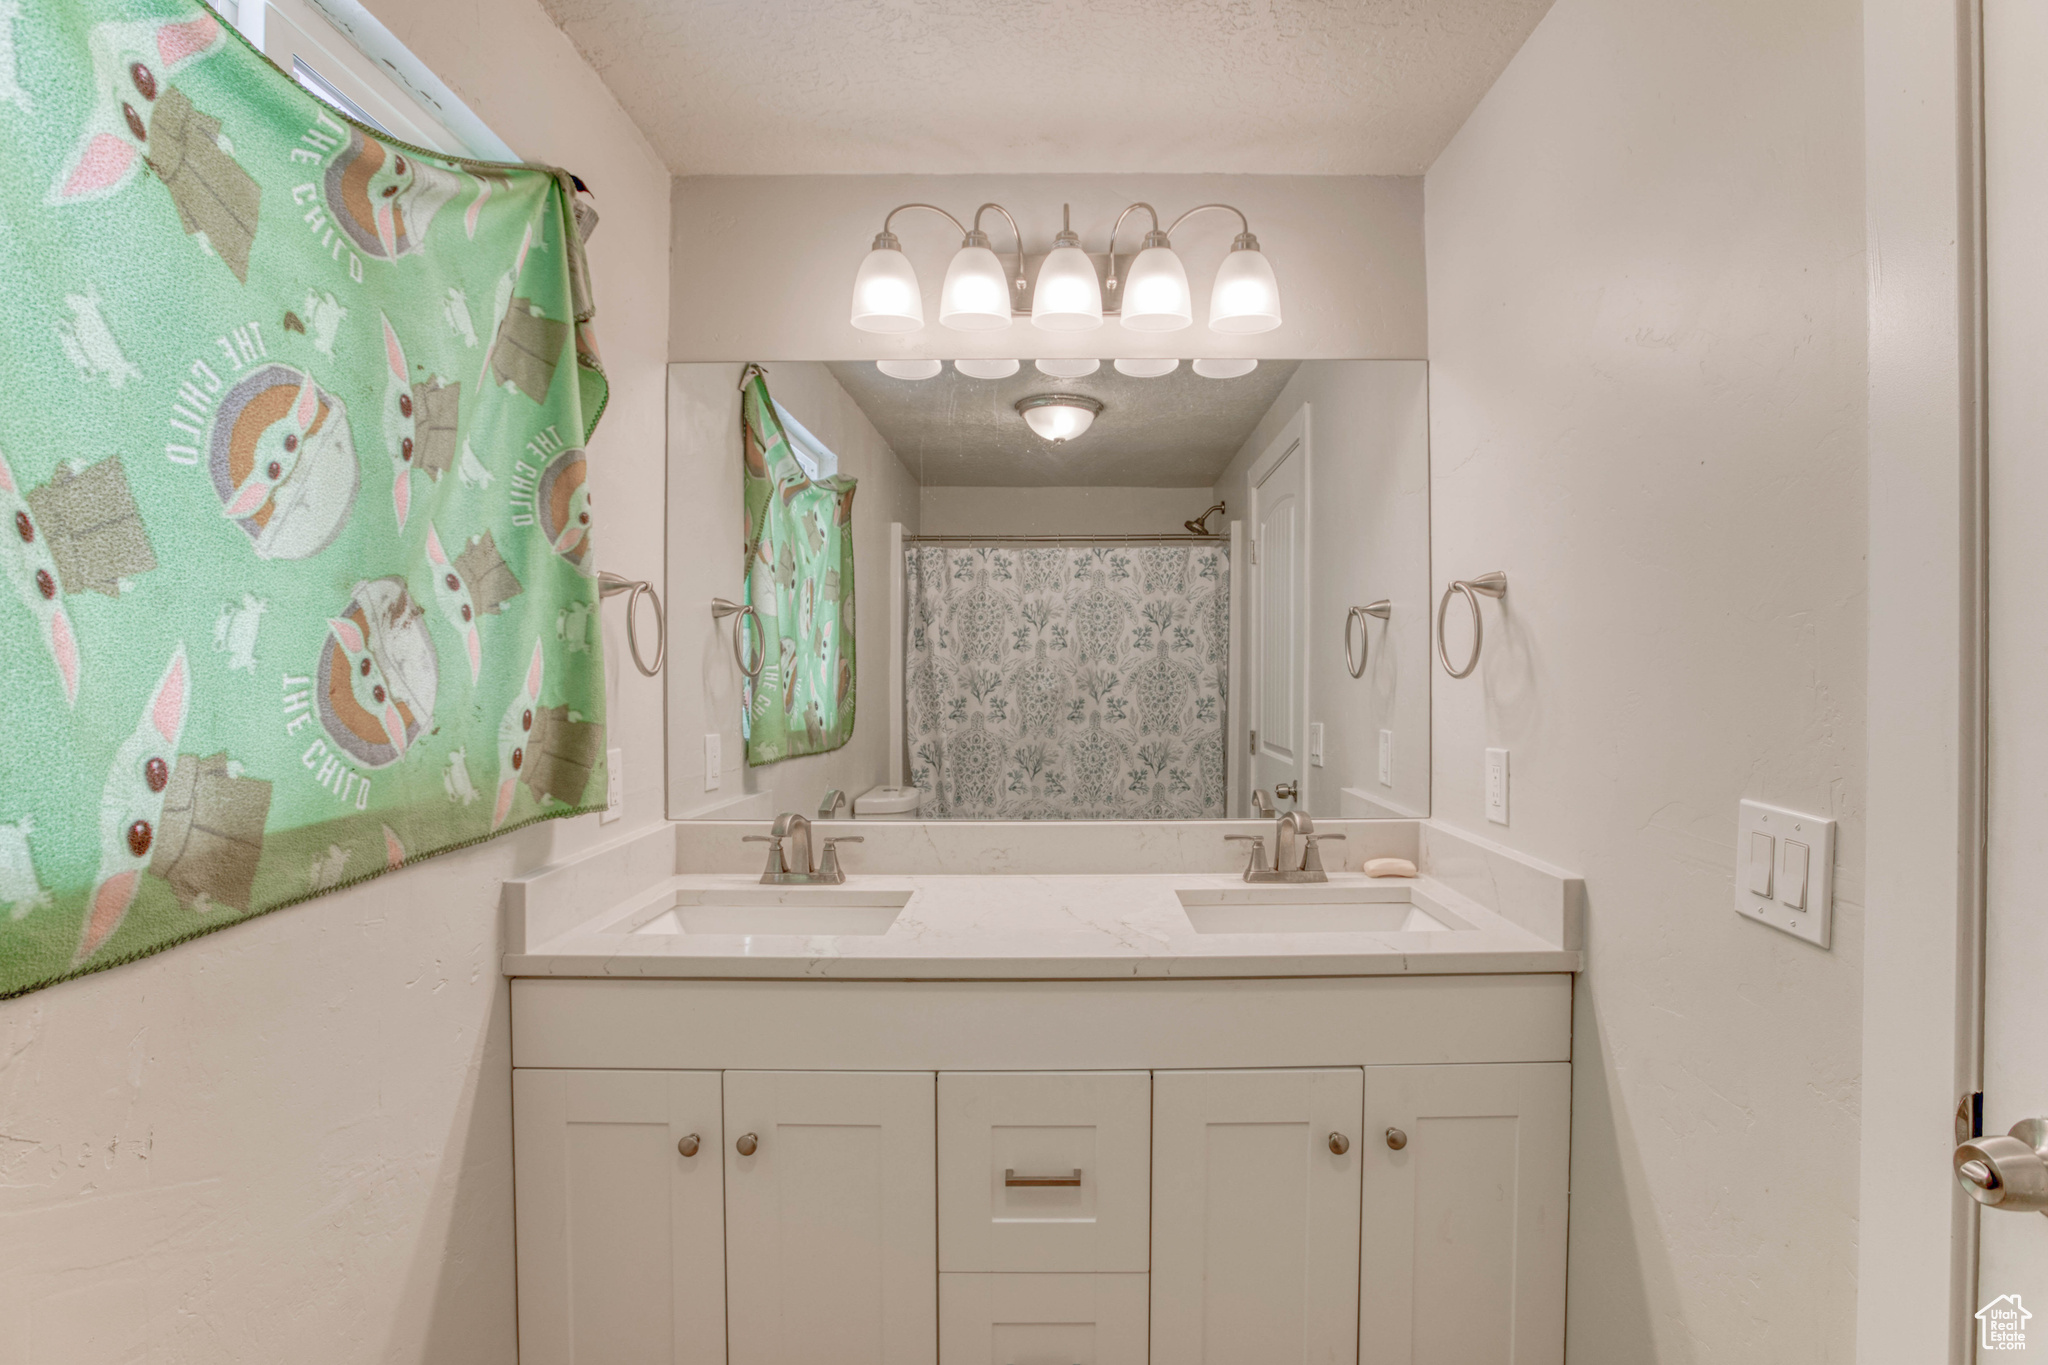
(1245, 241)
(886, 240)
(1014, 232)
(1148, 237)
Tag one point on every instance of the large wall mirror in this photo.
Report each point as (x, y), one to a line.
(986, 590)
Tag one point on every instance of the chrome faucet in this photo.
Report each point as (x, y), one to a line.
(830, 802)
(1295, 856)
(795, 869)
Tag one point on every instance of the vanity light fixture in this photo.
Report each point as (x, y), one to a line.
(1225, 368)
(1061, 367)
(987, 369)
(1146, 367)
(980, 294)
(909, 369)
(1059, 417)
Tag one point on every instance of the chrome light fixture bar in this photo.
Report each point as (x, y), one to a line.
(1070, 295)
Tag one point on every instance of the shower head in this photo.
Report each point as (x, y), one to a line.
(1200, 525)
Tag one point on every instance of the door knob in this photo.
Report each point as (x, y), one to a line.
(1288, 791)
(688, 1146)
(1339, 1144)
(2008, 1172)
(748, 1144)
(1396, 1139)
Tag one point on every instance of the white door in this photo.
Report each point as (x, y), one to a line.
(1255, 1217)
(831, 1218)
(621, 1237)
(1467, 1180)
(2014, 1246)
(1279, 627)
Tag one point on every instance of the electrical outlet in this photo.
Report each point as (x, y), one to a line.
(614, 786)
(1386, 758)
(1315, 744)
(714, 760)
(1785, 870)
(1497, 786)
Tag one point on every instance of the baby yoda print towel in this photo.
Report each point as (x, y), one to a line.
(293, 502)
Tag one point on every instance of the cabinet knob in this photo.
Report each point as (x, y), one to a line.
(748, 1144)
(1396, 1139)
(1339, 1144)
(688, 1146)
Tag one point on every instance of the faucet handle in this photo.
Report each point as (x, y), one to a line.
(829, 870)
(775, 866)
(1258, 843)
(1312, 860)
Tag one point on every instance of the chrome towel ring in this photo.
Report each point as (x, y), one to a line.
(720, 609)
(1356, 616)
(1487, 584)
(608, 584)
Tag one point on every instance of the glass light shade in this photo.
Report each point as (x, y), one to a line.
(1057, 422)
(976, 295)
(1246, 297)
(1156, 295)
(1069, 295)
(909, 369)
(1146, 367)
(1060, 367)
(885, 294)
(987, 369)
(1225, 369)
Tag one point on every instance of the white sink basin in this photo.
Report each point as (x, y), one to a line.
(1312, 909)
(799, 910)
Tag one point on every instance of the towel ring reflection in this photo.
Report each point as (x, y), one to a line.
(720, 609)
(1356, 616)
(610, 584)
(1487, 584)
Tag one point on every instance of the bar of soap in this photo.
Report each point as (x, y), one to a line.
(1389, 867)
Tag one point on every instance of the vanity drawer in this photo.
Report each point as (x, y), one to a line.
(1045, 1171)
(1042, 1319)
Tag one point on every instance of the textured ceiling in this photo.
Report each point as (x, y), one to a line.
(1177, 431)
(937, 87)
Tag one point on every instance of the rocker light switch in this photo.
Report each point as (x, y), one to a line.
(1762, 851)
(1784, 871)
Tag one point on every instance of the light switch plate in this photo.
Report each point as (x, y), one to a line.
(614, 786)
(1780, 827)
(714, 759)
(1497, 786)
(1315, 744)
(1386, 758)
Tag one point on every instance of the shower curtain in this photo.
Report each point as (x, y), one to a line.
(1071, 682)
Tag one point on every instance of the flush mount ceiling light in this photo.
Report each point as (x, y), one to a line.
(1225, 369)
(1059, 417)
(1145, 367)
(1074, 290)
(987, 369)
(1057, 367)
(909, 369)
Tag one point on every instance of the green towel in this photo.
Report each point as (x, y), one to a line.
(293, 498)
(800, 583)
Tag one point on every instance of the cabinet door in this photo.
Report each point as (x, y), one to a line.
(621, 1237)
(1254, 1217)
(831, 1220)
(1465, 1221)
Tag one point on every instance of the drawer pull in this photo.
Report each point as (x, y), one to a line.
(688, 1146)
(1396, 1139)
(1040, 1182)
(747, 1145)
(1339, 1144)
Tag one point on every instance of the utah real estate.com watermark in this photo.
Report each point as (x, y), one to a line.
(2002, 1324)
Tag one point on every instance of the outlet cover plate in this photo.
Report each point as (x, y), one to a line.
(1816, 922)
(614, 786)
(1497, 786)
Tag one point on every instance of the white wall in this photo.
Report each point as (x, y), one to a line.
(292, 1140)
(972, 511)
(765, 264)
(706, 556)
(1368, 538)
(1647, 406)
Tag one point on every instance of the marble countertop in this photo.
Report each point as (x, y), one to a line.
(1036, 926)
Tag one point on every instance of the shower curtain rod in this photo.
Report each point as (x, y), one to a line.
(1181, 539)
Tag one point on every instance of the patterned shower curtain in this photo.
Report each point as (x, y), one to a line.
(1078, 682)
